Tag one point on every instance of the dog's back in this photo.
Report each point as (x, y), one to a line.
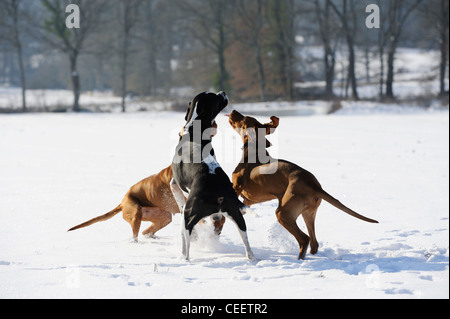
(154, 191)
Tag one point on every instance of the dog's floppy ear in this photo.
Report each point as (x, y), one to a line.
(271, 127)
(187, 112)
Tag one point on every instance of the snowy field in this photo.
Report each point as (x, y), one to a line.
(388, 163)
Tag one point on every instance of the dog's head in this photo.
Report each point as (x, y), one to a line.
(250, 129)
(204, 108)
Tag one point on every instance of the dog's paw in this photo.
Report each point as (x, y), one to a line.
(150, 236)
(253, 260)
(134, 241)
(183, 258)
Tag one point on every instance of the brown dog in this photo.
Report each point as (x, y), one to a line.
(297, 190)
(150, 200)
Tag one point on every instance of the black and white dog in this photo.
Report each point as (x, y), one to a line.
(198, 176)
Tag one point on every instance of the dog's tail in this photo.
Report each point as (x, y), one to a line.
(102, 218)
(333, 201)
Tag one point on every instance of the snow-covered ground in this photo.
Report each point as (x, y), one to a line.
(388, 163)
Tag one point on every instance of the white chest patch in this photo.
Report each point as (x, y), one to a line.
(211, 163)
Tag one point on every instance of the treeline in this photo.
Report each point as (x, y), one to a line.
(253, 49)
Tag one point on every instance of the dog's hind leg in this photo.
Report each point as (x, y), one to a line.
(187, 226)
(287, 213)
(158, 217)
(309, 217)
(191, 216)
(132, 213)
(185, 237)
(291, 205)
(177, 194)
(136, 223)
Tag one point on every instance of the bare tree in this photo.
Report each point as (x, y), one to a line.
(281, 18)
(9, 22)
(399, 11)
(167, 34)
(128, 12)
(443, 27)
(347, 15)
(71, 41)
(207, 22)
(436, 17)
(327, 35)
(248, 30)
(382, 40)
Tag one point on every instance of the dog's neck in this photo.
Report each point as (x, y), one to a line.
(252, 153)
(198, 141)
(197, 131)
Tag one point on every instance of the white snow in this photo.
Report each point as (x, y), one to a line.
(390, 164)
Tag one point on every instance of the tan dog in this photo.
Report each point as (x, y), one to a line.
(297, 190)
(150, 200)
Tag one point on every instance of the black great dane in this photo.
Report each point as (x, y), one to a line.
(198, 176)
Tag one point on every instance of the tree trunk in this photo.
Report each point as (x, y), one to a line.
(330, 62)
(349, 36)
(351, 69)
(399, 11)
(443, 66)
(19, 54)
(153, 72)
(262, 76)
(124, 72)
(367, 64)
(278, 17)
(390, 69)
(75, 81)
(22, 77)
(381, 44)
(222, 69)
(257, 48)
(289, 73)
(381, 91)
(329, 57)
(444, 46)
(223, 76)
(124, 81)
